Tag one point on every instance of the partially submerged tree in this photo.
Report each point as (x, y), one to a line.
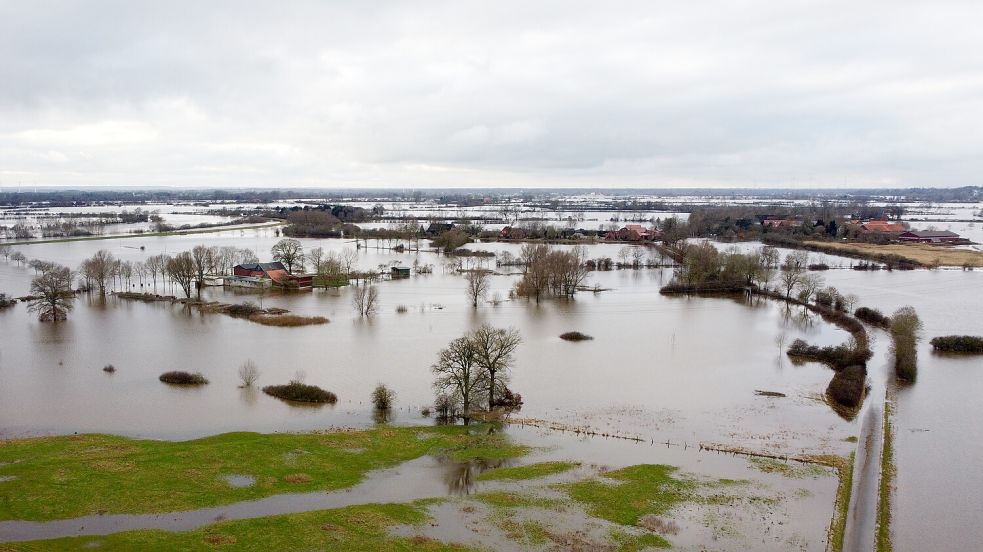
(204, 260)
(100, 269)
(793, 270)
(181, 269)
(905, 329)
(459, 374)
(365, 299)
(478, 283)
(51, 294)
(248, 373)
(494, 348)
(290, 252)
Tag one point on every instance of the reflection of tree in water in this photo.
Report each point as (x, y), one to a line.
(381, 416)
(461, 476)
(249, 395)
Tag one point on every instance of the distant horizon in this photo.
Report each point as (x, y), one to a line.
(505, 95)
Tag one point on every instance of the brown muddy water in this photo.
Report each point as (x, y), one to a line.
(682, 370)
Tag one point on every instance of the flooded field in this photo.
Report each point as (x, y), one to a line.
(671, 373)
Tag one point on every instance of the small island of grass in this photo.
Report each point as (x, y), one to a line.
(183, 378)
(301, 392)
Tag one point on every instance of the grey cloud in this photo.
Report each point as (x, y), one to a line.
(504, 93)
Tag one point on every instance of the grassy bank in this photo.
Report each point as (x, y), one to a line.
(888, 471)
(837, 527)
(71, 476)
(918, 253)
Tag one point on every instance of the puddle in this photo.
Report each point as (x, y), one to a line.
(238, 481)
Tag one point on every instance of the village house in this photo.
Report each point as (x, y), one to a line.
(437, 228)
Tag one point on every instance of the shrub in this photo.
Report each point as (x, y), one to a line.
(6, 301)
(402, 309)
(109, 368)
(383, 397)
(847, 386)
(838, 357)
(244, 310)
(301, 392)
(443, 405)
(425, 412)
(248, 373)
(873, 317)
(507, 399)
(183, 378)
(819, 266)
(575, 336)
(905, 327)
(958, 344)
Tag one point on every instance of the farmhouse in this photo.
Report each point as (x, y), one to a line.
(632, 232)
(931, 236)
(275, 272)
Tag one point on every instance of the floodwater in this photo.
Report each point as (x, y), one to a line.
(681, 370)
(660, 367)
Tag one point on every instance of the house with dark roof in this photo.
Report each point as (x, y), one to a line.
(931, 236)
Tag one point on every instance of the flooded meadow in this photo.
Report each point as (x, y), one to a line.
(664, 379)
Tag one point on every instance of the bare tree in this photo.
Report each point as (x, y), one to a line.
(478, 282)
(51, 294)
(181, 269)
(792, 270)
(290, 252)
(100, 269)
(365, 299)
(248, 373)
(18, 257)
(156, 266)
(459, 374)
(809, 284)
(349, 258)
(5, 251)
(494, 348)
(204, 261)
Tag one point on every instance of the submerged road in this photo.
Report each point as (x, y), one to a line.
(861, 523)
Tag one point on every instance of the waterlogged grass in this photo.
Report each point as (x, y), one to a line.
(625, 495)
(837, 526)
(886, 485)
(480, 444)
(790, 469)
(532, 471)
(352, 528)
(71, 476)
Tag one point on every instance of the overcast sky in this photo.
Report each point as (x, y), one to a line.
(505, 94)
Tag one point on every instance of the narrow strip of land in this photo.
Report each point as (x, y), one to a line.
(209, 230)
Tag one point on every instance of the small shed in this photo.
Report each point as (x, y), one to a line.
(399, 272)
